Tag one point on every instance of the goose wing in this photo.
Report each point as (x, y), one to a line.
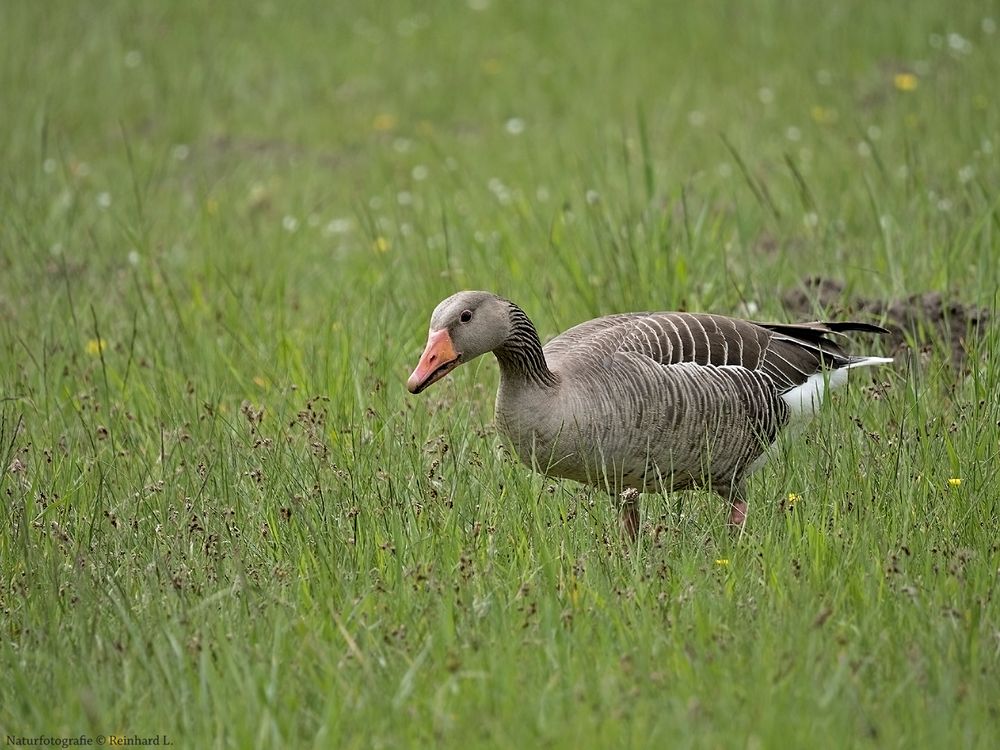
(787, 353)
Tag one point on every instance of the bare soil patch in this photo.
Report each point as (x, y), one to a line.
(920, 320)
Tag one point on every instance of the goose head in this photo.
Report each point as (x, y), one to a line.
(463, 327)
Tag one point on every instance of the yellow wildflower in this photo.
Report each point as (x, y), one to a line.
(955, 482)
(905, 81)
(95, 346)
(793, 498)
(722, 561)
(384, 122)
(380, 245)
(823, 115)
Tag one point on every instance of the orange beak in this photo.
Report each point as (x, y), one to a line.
(439, 358)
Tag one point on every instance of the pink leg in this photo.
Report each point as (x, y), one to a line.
(738, 514)
(628, 513)
(737, 506)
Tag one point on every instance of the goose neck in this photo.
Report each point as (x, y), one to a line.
(520, 356)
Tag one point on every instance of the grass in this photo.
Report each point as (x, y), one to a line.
(222, 230)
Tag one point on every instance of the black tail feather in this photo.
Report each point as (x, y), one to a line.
(816, 330)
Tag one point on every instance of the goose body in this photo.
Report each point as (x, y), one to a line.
(649, 402)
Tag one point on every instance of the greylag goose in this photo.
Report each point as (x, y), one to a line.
(643, 402)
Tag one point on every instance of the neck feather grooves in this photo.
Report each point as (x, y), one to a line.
(521, 356)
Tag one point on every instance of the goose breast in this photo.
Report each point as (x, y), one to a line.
(625, 420)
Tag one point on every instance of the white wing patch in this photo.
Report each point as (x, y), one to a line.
(805, 399)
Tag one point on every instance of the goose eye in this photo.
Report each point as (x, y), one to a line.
(466, 316)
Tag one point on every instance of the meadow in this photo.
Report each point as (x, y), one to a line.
(223, 228)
